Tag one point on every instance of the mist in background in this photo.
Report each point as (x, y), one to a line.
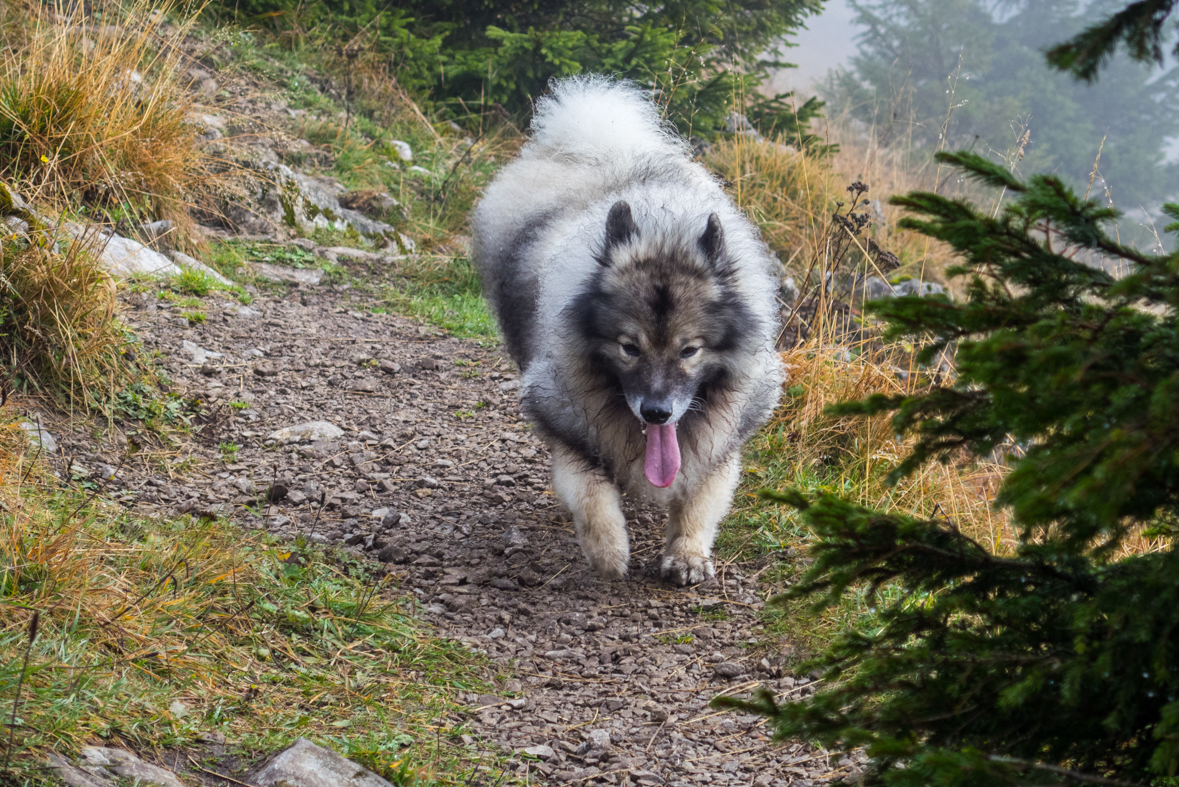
(970, 74)
(827, 44)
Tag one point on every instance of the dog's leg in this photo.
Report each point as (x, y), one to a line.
(692, 524)
(597, 514)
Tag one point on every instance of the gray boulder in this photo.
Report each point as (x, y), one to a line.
(101, 761)
(308, 432)
(787, 292)
(876, 288)
(40, 437)
(739, 124)
(156, 231)
(596, 742)
(308, 276)
(404, 152)
(74, 776)
(918, 287)
(306, 765)
(274, 195)
(125, 258)
(198, 354)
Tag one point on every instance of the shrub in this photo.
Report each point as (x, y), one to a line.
(59, 331)
(93, 112)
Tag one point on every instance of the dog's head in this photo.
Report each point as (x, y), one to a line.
(663, 315)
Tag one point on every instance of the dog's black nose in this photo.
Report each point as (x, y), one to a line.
(655, 412)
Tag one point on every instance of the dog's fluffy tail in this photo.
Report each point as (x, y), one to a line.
(601, 118)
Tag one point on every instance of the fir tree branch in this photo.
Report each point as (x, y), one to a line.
(1081, 777)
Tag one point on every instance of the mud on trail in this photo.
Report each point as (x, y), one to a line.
(433, 473)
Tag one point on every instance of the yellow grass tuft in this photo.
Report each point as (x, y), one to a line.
(59, 327)
(791, 196)
(93, 112)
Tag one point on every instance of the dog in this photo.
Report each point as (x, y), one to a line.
(639, 304)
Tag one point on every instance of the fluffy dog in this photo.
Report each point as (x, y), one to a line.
(640, 307)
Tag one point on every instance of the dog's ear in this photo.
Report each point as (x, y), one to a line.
(620, 225)
(712, 242)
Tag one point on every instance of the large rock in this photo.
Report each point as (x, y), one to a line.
(404, 151)
(40, 436)
(264, 270)
(306, 765)
(125, 258)
(276, 195)
(875, 288)
(102, 762)
(918, 287)
(198, 354)
(74, 776)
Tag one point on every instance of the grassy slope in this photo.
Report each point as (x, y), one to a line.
(435, 191)
(156, 633)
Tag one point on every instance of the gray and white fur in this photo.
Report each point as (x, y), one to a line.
(633, 295)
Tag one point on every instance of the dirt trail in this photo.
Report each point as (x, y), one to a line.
(600, 682)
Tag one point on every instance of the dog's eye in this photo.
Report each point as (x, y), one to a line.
(630, 349)
(688, 352)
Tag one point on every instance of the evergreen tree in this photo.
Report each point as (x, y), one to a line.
(978, 64)
(1140, 27)
(1057, 663)
(700, 55)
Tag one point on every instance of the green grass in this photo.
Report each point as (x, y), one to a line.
(461, 314)
(230, 258)
(760, 529)
(227, 258)
(260, 641)
(193, 282)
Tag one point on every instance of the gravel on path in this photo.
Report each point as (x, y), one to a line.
(430, 470)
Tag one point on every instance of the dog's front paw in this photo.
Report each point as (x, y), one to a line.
(609, 564)
(686, 569)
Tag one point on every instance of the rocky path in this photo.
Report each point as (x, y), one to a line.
(427, 468)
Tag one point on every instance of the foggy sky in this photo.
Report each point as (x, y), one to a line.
(828, 42)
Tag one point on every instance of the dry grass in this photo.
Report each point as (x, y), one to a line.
(855, 454)
(792, 196)
(806, 448)
(59, 327)
(93, 119)
(93, 112)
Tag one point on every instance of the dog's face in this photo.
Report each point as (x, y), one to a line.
(663, 318)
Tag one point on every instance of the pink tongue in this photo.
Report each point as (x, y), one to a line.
(663, 455)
